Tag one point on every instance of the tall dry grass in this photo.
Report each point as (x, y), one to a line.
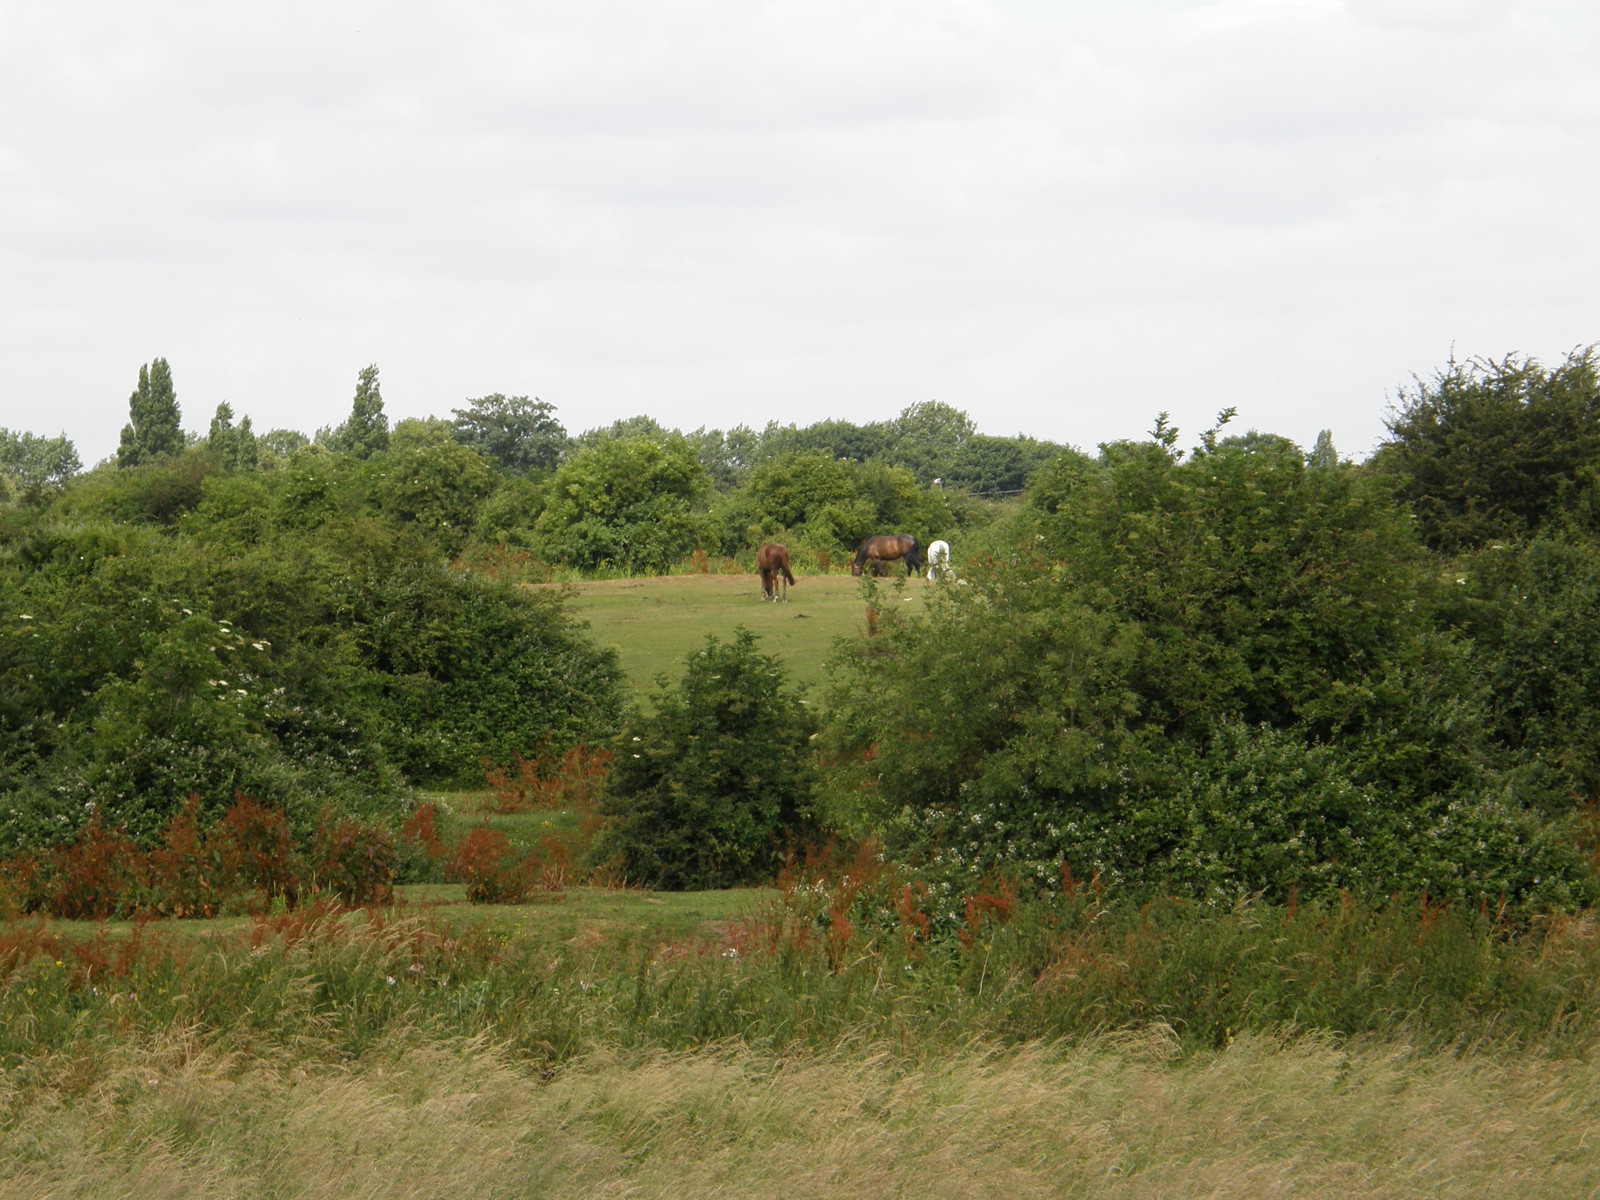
(328, 1053)
(1107, 1118)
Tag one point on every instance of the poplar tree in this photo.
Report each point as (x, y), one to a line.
(153, 429)
(234, 444)
(367, 430)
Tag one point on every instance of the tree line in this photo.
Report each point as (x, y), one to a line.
(502, 474)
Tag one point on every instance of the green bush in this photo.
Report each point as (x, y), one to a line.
(827, 504)
(629, 504)
(1533, 610)
(707, 788)
(1490, 450)
(327, 666)
(1218, 676)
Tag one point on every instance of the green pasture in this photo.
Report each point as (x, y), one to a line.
(588, 915)
(580, 913)
(654, 623)
(576, 916)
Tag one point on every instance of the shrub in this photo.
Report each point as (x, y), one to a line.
(254, 850)
(627, 504)
(95, 876)
(183, 875)
(240, 652)
(486, 863)
(1218, 677)
(1492, 450)
(571, 780)
(354, 861)
(707, 787)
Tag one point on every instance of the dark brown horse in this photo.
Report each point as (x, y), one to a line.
(772, 560)
(887, 548)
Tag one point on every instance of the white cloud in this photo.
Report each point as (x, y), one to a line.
(1061, 219)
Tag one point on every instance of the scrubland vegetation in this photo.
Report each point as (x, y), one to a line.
(1228, 827)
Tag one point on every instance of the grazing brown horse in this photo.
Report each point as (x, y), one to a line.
(772, 560)
(886, 548)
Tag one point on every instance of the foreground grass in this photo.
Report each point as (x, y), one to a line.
(751, 1045)
(1110, 1117)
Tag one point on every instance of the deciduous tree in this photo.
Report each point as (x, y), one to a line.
(631, 503)
(32, 462)
(366, 431)
(513, 432)
(153, 429)
(1491, 450)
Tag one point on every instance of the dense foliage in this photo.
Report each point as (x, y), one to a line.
(1245, 668)
(153, 430)
(1231, 674)
(1491, 450)
(710, 786)
(826, 504)
(628, 503)
(30, 463)
(178, 629)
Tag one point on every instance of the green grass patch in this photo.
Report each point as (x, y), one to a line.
(654, 623)
(591, 915)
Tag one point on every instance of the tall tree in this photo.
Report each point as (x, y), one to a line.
(728, 456)
(835, 438)
(1324, 453)
(1492, 450)
(628, 503)
(32, 462)
(641, 426)
(153, 429)
(516, 433)
(928, 436)
(234, 444)
(367, 430)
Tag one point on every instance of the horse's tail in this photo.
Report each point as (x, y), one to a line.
(914, 557)
(787, 574)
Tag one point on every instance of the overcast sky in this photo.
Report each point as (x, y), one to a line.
(1060, 217)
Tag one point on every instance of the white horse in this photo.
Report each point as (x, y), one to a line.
(939, 560)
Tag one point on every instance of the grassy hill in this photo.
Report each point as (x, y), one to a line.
(655, 623)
